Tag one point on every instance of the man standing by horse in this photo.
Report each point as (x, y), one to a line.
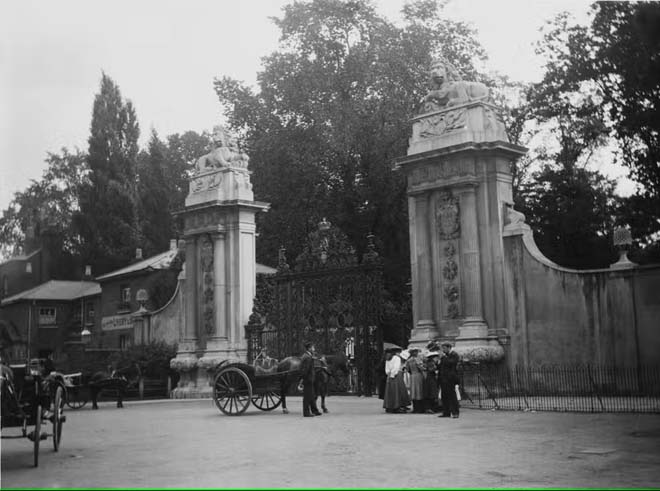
(308, 375)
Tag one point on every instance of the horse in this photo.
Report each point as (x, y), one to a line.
(324, 367)
(327, 367)
(118, 380)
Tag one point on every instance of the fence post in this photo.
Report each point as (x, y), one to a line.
(169, 385)
(141, 387)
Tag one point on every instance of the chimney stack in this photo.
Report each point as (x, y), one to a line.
(138, 254)
(173, 244)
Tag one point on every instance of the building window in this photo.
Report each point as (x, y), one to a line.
(124, 298)
(47, 316)
(89, 313)
(123, 342)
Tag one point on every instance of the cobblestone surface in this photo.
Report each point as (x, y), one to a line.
(189, 443)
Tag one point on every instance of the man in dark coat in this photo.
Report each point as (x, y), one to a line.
(448, 379)
(308, 375)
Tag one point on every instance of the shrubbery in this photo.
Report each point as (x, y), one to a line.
(152, 358)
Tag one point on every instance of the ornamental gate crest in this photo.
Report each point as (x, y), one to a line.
(329, 298)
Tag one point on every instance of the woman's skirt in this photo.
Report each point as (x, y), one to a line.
(431, 388)
(396, 394)
(417, 386)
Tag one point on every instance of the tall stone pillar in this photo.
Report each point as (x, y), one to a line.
(422, 286)
(459, 182)
(219, 226)
(473, 325)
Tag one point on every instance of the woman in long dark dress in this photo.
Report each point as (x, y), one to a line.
(431, 404)
(396, 395)
(381, 376)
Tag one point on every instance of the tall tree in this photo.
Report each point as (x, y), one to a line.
(154, 196)
(330, 115)
(108, 219)
(42, 215)
(616, 59)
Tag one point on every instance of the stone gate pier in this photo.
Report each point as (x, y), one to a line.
(459, 182)
(220, 276)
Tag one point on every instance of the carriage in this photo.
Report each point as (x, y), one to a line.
(31, 397)
(265, 383)
(236, 385)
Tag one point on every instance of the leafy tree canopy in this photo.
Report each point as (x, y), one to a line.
(331, 113)
(603, 81)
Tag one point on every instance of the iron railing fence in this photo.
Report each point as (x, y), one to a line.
(576, 388)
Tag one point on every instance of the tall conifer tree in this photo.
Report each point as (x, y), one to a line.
(108, 220)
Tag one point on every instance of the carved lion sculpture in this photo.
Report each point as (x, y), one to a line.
(447, 88)
(226, 153)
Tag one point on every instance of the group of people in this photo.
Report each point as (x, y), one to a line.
(436, 371)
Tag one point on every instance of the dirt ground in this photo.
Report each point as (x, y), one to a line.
(189, 443)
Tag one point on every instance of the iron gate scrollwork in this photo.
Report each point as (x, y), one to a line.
(328, 298)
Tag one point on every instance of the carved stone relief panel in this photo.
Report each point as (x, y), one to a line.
(206, 269)
(443, 123)
(451, 290)
(447, 214)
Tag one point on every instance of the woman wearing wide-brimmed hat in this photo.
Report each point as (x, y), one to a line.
(415, 367)
(396, 395)
(431, 389)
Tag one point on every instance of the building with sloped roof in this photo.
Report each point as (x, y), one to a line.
(47, 319)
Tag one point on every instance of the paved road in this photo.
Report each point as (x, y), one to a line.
(190, 443)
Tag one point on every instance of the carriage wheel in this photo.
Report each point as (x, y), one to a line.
(58, 416)
(75, 398)
(232, 391)
(267, 401)
(37, 434)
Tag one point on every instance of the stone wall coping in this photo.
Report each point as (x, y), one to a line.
(531, 247)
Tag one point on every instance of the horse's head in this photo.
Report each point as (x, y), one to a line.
(337, 362)
(131, 374)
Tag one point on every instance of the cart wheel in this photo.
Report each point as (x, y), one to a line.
(58, 416)
(232, 391)
(267, 401)
(75, 398)
(37, 434)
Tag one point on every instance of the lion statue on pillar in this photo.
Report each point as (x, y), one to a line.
(447, 89)
(226, 153)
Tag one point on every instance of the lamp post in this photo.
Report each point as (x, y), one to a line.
(85, 334)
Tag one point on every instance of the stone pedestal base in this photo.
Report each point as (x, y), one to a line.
(196, 374)
(482, 350)
(424, 332)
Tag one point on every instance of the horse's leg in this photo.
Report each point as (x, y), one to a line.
(284, 386)
(94, 392)
(324, 391)
(120, 395)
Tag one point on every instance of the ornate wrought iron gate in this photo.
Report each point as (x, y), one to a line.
(330, 300)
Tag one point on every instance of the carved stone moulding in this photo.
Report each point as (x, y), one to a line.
(491, 353)
(441, 171)
(184, 364)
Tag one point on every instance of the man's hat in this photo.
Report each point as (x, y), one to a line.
(447, 343)
(432, 353)
(413, 350)
(308, 344)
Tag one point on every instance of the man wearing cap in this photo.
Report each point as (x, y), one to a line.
(307, 369)
(448, 379)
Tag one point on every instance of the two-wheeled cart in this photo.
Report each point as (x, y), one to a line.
(236, 385)
(32, 398)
